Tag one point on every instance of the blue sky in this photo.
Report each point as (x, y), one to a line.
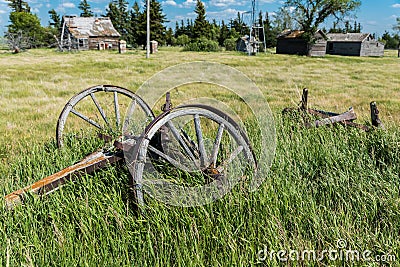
(375, 16)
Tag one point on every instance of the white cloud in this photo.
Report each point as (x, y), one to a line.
(225, 3)
(3, 11)
(371, 23)
(169, 3)
(396, 5)
(184, 17)
(224, 14)
(189, 3)
(97, 10)
(62, 7)
(99, 1)
(267, 1)
(68, 5)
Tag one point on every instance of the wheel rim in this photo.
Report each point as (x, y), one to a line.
(206, 157)
(102, 109)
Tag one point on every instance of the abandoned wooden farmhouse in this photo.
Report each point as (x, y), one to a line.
(345, 44)
(292, 43)
(84, 33)
(354, 44)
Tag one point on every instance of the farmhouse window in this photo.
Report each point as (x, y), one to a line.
(83, 42)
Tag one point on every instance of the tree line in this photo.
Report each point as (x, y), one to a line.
(197, 34)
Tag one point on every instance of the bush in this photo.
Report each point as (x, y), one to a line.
(203, 45)
(230, 44)
(182, 40)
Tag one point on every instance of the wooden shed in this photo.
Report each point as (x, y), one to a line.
(292, 43)
(86, 33)
(354, 44)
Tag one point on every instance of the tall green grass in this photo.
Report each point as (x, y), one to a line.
(325, 184)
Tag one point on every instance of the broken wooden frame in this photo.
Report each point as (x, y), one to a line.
(328, 118)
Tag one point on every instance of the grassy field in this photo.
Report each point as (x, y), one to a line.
(326, 184)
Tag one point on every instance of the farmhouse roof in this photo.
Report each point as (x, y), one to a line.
(293, 34)
(348, 37)
(84, 27)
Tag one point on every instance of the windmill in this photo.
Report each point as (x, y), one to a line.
(256, 36)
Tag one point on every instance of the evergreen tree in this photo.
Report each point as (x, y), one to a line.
(335, 28)
(397, 26)
(201, 26)
(25, 24)
(85, 8)
(347, 27)
(270, 32)
(55, 20)
(136, 28)
(19, 6)
(178, 31)
(238, 25)
(28, 25)
(391, 41)
(169, 37)
(117, 11)
(223, 34)
(215, 30)
(189, 28)
(138, 23)
(157, 20)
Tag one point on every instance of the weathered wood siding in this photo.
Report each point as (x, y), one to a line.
(372, 49)
(297, 46)
(94, 42)
(364, 49)
(344, 48)
(319, 49)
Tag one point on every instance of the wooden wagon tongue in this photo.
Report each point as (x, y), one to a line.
(328, 118)
(89, 164)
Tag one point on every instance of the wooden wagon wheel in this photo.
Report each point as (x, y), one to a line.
(102, 108)
(195, 139)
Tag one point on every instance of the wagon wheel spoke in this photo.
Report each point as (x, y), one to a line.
(168, 158)
(102, 113)
(182, 143)
(210, 127)
(216, 146)
(231, 158)
(88, 120)
(111, 102)
(200, 141)
(128, 117)
(116, 109)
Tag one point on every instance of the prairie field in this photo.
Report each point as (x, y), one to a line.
(325, 185)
